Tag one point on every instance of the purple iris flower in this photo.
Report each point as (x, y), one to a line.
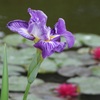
(45, 38)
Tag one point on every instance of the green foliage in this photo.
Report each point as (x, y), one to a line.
(96, 70)
(48, 66)
(4, 89)
(77, 61)
(16, 40)
(19, 83)
(88, 85)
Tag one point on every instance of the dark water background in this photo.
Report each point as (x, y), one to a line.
(80, 15)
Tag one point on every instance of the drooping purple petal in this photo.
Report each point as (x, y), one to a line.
(20, 27)
(50, 47)
(16, 24)
(60, 47)
(70, 39)
(37, 16)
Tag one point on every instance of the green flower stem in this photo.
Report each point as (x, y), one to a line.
(33, 70)
(26, 91)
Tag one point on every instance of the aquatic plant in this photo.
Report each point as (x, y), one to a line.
(47, 40)
(65, 90)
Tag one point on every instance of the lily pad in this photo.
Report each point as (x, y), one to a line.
(13, 40)
(95, 70)
(88, 85)
(16, 39)
(84, 59)
(83, 50)
(18, 57)
(93, 41)
(70, 71)
(46, 91)
(59, 58)
(74, 58)
(2, 34)
(12, 70)
(71, 61)
(89, 40)
(19, 83)
(77, 44)
(62, 55)
(48, 66)
(20, 97)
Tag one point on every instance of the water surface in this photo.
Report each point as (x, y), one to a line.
(80, 15)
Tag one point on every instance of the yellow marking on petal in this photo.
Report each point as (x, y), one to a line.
(36, 40)
(47, 40)
(51, 37)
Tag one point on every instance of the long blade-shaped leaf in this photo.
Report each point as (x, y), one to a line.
(4, 90)
(34, 66)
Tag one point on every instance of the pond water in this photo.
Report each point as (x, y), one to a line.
(80, 15)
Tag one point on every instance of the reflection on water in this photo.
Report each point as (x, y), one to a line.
(80, 15)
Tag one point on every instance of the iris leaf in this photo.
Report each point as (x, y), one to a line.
(34, 66)
(4, 90)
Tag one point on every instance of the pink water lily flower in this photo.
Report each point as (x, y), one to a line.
(46, 39)
(65, 90)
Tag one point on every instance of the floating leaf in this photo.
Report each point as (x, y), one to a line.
(95, 70)
(2, 34)
(16, 40)
(88, 85)
(19, 83)
(72, 61)
(19, 57)
(20, 97)
(70, 71)
(13, 70)
(62, 55)
(46, 91)
(48, 66)
(13, 40)
(77, 44)
(84, 59)
(84, 51)
(89, 40)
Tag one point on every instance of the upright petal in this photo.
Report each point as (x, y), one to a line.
(39, 31)
(50, 47)
(60, 26)
(60, 29)
(35, 30)
(37, 16)
(20, 27)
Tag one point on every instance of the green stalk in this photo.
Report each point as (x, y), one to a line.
(5, 90)
(32, 72)
(26, 91)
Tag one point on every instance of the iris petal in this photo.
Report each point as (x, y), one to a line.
(35, 30)
(70, 39)
(20, 27)
(50, 47)
(39, 31)
(37, 16)
(60, 26)
(60, 29)
(16, 24)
